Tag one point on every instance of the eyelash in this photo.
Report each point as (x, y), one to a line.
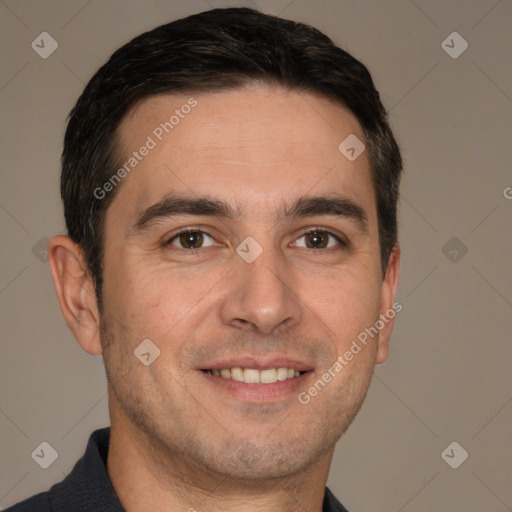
(310, 231)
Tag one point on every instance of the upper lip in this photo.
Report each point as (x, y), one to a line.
(258, 363)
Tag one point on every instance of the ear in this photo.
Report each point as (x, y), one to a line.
(75, 291)
(388, 308)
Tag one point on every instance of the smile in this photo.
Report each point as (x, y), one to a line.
(254, 376)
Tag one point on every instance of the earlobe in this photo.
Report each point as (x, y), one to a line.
(75, 292)
(388, 306)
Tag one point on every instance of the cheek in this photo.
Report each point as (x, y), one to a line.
(346, 304)
(161, 300)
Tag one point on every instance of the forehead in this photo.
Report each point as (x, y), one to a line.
(257, 146)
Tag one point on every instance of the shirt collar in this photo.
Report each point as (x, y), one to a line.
(88, 486)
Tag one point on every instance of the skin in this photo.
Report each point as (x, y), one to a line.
(177, 440)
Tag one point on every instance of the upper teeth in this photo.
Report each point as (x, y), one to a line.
(252, 376)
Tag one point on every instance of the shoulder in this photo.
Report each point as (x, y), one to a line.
(86, 488)
(37, 503)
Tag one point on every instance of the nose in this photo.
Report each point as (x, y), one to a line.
(260, 296)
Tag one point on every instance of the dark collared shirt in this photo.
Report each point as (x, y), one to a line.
(88, 488)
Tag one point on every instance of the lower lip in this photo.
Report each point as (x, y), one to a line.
(259, 393)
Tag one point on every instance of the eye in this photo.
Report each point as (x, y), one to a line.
(191, 240)
(318, 239)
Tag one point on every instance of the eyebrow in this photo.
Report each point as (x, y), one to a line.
(173, 206)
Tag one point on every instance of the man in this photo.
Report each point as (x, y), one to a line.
(230, 185)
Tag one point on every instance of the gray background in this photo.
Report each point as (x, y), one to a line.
(448, 377)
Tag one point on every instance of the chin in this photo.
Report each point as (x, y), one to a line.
(266, 461)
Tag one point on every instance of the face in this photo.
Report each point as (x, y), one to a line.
(242, 241)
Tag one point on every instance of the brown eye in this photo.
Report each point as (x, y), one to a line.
(318, 239)
(191, 240)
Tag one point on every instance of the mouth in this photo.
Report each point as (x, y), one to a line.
(255, 376)
(257, 381)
